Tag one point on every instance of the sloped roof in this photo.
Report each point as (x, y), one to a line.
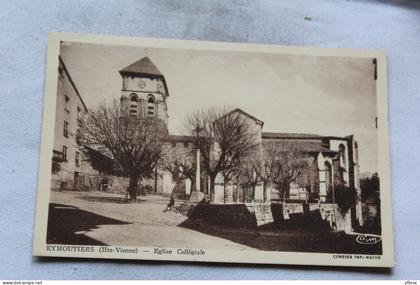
(179, 138)
(314, 147)
(237, 110)
(142, 66)
(72, 82)
(305, 146)
(268, 135)
(145, 67)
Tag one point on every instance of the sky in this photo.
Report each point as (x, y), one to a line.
(334, 96)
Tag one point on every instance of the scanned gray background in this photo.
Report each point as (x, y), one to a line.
(394, 26)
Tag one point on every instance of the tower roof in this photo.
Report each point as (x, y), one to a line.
(143, 66)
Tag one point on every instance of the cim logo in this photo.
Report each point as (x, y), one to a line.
(368, 239)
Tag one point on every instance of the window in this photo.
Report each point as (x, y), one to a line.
(342, 151)
(76, 158)
(185, 144)
(328, 177)
(134, 104)
(66, 103)
(79, 116)
(64, 153)
(66, 129)
(78, 136)
(61, 73)
(173, 144)
(150, 106)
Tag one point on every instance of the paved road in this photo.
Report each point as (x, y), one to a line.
(102, 218)
(98, 218)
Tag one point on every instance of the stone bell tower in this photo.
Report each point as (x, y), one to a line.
(144, 91)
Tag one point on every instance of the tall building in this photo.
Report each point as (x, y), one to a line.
(71, 167)
(144, 92)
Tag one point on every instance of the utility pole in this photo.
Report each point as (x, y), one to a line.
(197, 131)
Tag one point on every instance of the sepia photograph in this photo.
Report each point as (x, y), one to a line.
(194, 151)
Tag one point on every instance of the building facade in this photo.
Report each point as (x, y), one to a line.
(71, 166)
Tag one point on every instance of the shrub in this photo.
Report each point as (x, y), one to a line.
(55, 167)
(146, 189)
(344, 197)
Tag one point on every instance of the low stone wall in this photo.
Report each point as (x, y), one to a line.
(65, 181)
(233, 215)
(263, 214)
(310, 217)
(342, 220)
(118, 184)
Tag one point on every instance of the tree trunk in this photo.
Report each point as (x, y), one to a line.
(132, 188)
(264, 192)
(224, 192)
(212, 182)
(285, 190)
(237, 191)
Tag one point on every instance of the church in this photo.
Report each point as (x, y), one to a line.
(145, 93)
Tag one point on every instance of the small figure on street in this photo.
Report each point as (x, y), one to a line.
(170, 204)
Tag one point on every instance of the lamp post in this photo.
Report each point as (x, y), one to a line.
(196, 132)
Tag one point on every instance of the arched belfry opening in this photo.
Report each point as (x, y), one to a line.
(151, 106)
(134, 106)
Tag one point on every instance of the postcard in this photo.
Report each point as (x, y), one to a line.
(157, 149)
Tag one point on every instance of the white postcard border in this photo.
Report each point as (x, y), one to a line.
(234, 256)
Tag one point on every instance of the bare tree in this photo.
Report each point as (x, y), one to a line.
(225, 138)
(230, 174)
(134, 143)
(265, 165)
(181, 164)
(248, 175)
(289, 164)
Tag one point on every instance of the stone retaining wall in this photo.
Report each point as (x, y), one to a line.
(233, 215)
(312, 217)
(263, 214)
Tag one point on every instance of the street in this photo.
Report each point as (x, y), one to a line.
(99, 218)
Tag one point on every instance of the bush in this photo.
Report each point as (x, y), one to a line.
(146, 189)
(344, 197)
(55, 167)
(369, 186)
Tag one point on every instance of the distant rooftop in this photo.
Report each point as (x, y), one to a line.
(304, 146)
(178, 138)
(237, 110)
(269, 135)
